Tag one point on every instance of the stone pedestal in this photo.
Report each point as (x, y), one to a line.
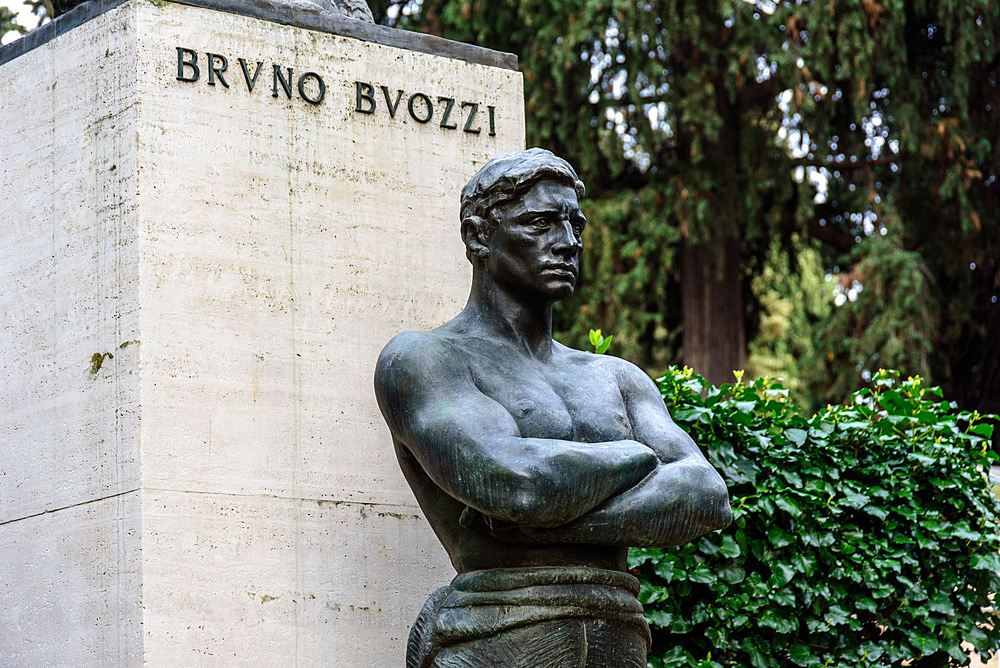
(211, 223)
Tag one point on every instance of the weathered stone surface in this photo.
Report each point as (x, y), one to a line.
(69, 274)
(196, 284)
(71, 586)
(355, 9)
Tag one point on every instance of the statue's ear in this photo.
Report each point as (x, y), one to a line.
(474, 235)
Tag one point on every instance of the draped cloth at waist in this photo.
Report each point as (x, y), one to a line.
(483, 604)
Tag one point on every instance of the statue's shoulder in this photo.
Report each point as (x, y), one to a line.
(417, 355)
(625, 373)
(418, 344)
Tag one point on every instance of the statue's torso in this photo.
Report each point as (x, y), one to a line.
(573, 396)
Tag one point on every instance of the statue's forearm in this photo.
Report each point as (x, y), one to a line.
(677, 503)
(547, 483)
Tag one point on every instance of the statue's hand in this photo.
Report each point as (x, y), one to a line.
(505, 532)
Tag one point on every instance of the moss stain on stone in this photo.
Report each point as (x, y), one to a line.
(399, 516)
(97, 360)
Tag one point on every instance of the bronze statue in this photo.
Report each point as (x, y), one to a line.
(537, 465)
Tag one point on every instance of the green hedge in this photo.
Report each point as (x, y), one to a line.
(864, 535)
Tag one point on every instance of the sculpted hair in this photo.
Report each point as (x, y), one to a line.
(507, 177)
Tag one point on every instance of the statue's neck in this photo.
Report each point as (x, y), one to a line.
(498, 313)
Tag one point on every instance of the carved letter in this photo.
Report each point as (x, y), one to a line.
(319, 82)
(286, 84)
(427, 101)
(472, 116)
(365, 94)
(447, 112)
(389, 103)
(181, 64)
(493, 127)
(251, 80)
(216, 71)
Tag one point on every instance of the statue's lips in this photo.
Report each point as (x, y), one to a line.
(566, 269)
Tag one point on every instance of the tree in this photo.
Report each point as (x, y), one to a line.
(9, 20)
(722, 138)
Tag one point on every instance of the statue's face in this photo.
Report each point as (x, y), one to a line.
(535, 248)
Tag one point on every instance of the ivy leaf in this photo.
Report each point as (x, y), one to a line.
(963, 531)
(659, 618)
(942, 604)
(783, 597)
(638, 556)
(666, 568)
(982, 429)
(796, 436)
(856, 500)
(729, 548)
(790, 505)
(779, 537)
(757, 658)
(927, 644)
(800, 654)
(781, 574)
(986, 562)
(701, 574)
(779, 622)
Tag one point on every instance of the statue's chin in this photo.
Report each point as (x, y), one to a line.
(562, 294)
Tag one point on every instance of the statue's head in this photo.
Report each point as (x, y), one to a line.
(521, 222)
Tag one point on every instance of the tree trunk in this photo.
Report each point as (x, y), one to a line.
(712, 295)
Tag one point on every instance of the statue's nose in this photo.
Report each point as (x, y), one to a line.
(566, 242)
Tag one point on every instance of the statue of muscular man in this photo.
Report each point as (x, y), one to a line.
(537, 465)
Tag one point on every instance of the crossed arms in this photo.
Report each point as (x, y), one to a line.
(657, 490)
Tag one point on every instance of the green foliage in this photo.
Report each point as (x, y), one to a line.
(600, 342)
(693, 120)
(9, 20)
(865, 534)
(893, 322)
(628, 278)
(8, 23)
(795, 298)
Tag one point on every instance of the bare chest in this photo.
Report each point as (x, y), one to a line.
(568, 400)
